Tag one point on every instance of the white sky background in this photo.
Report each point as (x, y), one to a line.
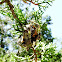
(55, 11)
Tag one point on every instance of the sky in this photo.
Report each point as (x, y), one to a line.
(55, 11)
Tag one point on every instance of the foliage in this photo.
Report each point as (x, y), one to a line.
(11, 29)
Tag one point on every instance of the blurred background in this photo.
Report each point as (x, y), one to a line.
(49, 18)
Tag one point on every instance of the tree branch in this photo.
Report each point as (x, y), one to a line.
(25, 1)
(11, 8)
(2, 2)
(13, 13)
(35, 55)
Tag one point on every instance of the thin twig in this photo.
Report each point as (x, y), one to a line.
(20, 57)
(35, 55)
(2, 2)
